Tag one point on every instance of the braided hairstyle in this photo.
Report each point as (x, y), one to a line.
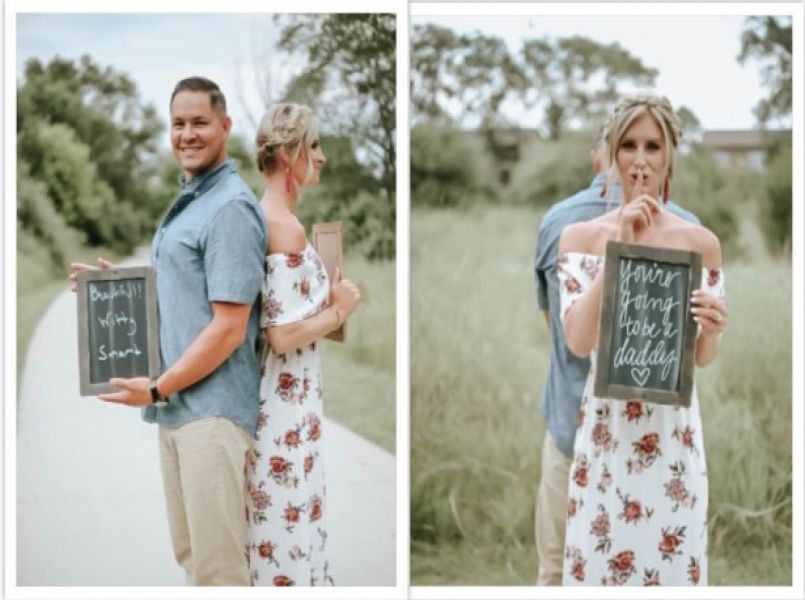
(285, 127)
(626, 112)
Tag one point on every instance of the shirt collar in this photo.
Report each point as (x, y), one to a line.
(200, 179)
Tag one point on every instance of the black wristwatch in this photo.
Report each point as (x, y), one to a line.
(156, 398)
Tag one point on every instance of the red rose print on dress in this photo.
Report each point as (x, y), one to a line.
(286, 388)
(636, 410)
(676, 490)
(572, 507)
(694, 571)
(266, 551)
(316, 508)
(313, 427)
(633, 511)
(580, 471)
(577, 563)
(602, 438)
(280, 471)
(291, 515)
(271, 307)
(647, 450)
(282, 581)
(293, 260)
(303, 287)
(260, 502)
(621, 568)
(590, 266)
(605, 480)
(686, 437)
(713, 276)
(309, 462)
(670, 542)
(600, 528)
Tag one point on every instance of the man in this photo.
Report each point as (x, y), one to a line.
(567, 374)
(208, 257)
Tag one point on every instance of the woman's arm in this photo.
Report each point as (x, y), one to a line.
(289, 237)
(581, 320)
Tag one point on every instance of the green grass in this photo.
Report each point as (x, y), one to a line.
(359, 375)
(479, 356)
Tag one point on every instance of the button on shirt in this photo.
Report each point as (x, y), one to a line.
(567, 373)
(210, 248)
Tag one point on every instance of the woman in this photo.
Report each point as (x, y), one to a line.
(286, 506)
(637, 495)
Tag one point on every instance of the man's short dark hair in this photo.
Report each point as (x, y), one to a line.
(202, 84)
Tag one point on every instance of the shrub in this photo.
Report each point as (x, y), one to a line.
(450, 167)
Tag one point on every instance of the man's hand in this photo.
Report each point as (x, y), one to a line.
(134, 392)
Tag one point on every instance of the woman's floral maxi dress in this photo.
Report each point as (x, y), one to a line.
(286, 505)
(637, 491)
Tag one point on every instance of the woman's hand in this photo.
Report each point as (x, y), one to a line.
(710, 313)
(636, 215)
(344, 296)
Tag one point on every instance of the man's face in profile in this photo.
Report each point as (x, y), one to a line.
(199, 132)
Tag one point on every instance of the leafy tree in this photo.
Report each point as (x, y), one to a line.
(473, 71)
(767, 40)
(358, 50)
(576, 77)
(430, 47)
(83, 132)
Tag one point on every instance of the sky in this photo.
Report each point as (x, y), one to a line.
(158, 49)
(695, 56)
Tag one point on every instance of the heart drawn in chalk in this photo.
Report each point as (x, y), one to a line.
(641, 375)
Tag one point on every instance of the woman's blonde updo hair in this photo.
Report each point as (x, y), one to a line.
(627, 111)
(288, 127)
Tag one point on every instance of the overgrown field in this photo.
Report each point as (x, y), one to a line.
(479, 357)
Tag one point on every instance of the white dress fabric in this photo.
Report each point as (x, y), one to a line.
(637, 491)
(286, 505)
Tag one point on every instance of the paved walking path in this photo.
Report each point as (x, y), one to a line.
(90, 509)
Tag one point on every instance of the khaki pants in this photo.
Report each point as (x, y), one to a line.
(204, 474)
(551, 513)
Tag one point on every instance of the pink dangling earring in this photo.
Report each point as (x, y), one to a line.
(665, 190)
(288, 181)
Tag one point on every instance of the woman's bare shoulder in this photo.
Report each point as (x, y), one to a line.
(285, 235)
(586, 236)
(706, 243)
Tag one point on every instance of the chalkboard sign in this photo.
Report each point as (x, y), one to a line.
(117, 326)
(647, 336)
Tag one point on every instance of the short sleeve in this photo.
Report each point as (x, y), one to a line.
(713, 282)
(575, 272)
(234, 248)
(296, 288)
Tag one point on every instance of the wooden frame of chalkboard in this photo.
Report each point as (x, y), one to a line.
(118, 333)
(327, 240)
(632, 372)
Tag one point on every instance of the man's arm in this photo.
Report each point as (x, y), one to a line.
(216, 342)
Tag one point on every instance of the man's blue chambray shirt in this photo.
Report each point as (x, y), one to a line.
(210, 248)
(567, 373)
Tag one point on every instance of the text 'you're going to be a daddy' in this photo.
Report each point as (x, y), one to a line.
(647, 334)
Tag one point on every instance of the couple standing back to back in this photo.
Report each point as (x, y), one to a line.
(240, 442)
